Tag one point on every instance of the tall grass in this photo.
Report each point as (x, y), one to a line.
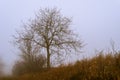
(101, 67)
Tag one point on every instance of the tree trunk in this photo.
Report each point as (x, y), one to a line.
(48, 58)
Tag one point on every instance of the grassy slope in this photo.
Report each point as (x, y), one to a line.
(98, 68)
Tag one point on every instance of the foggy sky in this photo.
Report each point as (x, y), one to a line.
(96, 21)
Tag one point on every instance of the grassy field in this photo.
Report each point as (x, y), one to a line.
(101, 67)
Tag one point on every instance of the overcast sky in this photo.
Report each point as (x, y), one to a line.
(96, 21)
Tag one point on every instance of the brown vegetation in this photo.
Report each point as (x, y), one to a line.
(33, 64)
(101, 67)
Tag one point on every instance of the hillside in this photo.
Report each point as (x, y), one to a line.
(101, 67)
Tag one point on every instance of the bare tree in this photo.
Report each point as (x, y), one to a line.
(31, 60)
(50, 32)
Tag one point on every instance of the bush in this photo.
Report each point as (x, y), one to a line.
(36, 64)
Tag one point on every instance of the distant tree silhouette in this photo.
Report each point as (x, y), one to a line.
(31, 60)
(1, 67)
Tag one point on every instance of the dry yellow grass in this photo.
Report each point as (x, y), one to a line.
(101, 67)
